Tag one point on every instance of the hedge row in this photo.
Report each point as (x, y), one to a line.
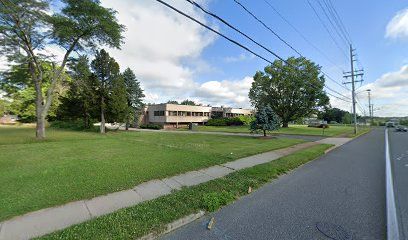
(236, 121)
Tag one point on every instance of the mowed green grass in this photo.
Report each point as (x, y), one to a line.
(292, 129)
(73, 165)
(152, 216)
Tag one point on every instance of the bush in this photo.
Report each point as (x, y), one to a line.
(246, 119)
(217, 122)
(71, 125)
(214, 200)
(236, 121)
(151, 126)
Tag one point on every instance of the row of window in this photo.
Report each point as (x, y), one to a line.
(194, 114)
(182, 113)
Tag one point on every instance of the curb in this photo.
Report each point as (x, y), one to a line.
(174, 225)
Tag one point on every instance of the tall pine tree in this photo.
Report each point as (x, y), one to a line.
(106, 70)
(134, 96)
(82, 99)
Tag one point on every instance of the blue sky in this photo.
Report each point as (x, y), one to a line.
(365, 20)
(175, 58)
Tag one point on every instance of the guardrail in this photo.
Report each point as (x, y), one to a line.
(392, 221)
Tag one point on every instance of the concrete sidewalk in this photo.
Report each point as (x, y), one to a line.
(48, 220)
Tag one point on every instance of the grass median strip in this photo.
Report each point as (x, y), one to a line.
(152, 216)
(71, 165)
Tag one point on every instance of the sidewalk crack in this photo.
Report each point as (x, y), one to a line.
(87, 208)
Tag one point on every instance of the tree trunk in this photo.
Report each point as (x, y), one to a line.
(285, 124)
(127, 124)
(87, 124)
(40, 127)
(264, 132)
(103, 115)
(40, 117)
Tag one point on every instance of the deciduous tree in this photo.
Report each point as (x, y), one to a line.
(293, 90)
(28, 26)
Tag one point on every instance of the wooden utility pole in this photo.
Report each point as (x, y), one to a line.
(353, 74)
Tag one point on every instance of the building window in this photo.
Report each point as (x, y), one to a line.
(188, 114)
(206, 114)
(172, 113)
(158, 113)
(182, 114)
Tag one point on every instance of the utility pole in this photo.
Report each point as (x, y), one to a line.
(370, 106)
(353, 74)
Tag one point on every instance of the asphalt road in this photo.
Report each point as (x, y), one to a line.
(343, 193)
(399, 160)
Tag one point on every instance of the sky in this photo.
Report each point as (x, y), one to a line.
(175, 58)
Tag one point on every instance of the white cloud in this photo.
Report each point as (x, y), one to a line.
(398, 26)
(395, 79)
(389, 93)
(159, 43)
(240, 58)
(227, 92)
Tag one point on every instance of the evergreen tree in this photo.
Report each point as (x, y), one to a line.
(117, 101)
(135, 96)
(265, 120)
(106, 71)
(29, 26)
(82, 98)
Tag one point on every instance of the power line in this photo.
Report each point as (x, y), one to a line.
(340, 21)
(267, 27)
(300, 33)
(280, 38)
(327, 29)
(257, 43)
(337, 21)
(234, 28)
(222, 35)
(213, 30)
(338, 97)
(329, 16)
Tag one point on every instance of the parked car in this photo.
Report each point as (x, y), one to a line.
(401, 129)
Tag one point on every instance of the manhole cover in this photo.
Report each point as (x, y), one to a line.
(333, 231)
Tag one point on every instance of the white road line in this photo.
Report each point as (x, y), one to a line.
(392, 222)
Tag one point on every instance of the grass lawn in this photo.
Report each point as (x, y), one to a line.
(73, 165)
(292, 129)
(151, 216)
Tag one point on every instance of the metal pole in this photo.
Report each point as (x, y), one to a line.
(353, 88)
(369, 105)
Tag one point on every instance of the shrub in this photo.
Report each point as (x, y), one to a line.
(246, 120)
(214, 200)
(71, 125)
(217, 122)
(235, 121)
(151, 126)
